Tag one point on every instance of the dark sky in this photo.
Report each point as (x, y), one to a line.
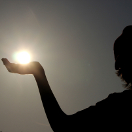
(73, 40)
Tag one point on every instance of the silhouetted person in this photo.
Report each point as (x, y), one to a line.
(113, 113)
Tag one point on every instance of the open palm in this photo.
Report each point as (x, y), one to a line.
(30, 68)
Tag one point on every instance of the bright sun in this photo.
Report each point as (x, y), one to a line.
(23, 57)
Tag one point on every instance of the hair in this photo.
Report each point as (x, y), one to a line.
(125, 78)
(125, 69)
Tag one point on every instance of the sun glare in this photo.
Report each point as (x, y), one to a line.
(23, 57)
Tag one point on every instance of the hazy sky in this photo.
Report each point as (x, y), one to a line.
(73, 40)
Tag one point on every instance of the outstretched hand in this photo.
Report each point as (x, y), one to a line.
(30, 68)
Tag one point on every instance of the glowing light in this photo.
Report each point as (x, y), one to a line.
(23, 57)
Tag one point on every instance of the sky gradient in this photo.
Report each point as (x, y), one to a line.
(73, 40)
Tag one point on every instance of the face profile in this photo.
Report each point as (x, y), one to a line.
(123, 56)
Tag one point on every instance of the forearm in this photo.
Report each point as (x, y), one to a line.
(53, 111)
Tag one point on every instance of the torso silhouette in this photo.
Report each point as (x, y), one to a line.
(112, 113)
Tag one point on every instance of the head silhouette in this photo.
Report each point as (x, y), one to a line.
(123, 56)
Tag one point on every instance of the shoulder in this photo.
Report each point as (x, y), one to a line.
(116, 98)
(112, 103)
(103, 112)
(124, 96)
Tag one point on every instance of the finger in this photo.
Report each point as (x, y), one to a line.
(7, 64)
(5, 61)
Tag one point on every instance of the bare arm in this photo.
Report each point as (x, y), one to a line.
(56, 117)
